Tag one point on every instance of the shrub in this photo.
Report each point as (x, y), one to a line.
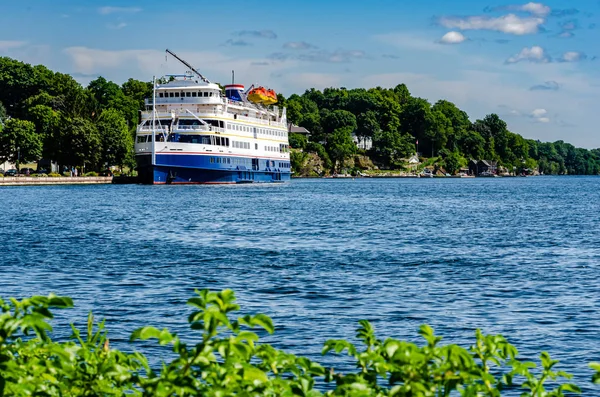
(91, 173)
(227, 359)
(54, 175)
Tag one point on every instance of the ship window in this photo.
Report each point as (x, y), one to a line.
(160, 95)
(188, 94)
(256, 146)
(205, 93)
(171, 95)
(176, 95)
(141, 139)
(194, 94)
(212, 160)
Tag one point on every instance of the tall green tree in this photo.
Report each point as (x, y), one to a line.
(19, 142)
(339, 119)
(117, 142)
(390, 147)
(80, 143)
(340, 145)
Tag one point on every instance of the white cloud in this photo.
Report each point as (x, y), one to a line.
(535, 9)
(298, 45)
(540, 115)
(118, 10)
(534, 54)
(7, 45)
(537, 113)
(510, 24)
(453, 38)
(573, 56)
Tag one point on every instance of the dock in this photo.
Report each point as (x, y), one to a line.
(63, 180)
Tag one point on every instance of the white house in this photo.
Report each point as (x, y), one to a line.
(365, 143)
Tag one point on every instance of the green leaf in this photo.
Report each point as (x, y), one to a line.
(263, 321)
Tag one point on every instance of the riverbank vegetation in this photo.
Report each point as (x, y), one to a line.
(227, 358)
(397, 123)
(53, 117)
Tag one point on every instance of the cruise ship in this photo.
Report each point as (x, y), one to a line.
(193, 133)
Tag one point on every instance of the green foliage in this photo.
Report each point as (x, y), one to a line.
(390, 147)
(19, 142)
(3, 113)
(117, 142)
(321, 152)
(91, 173)
(81, 140)
(297, 141)
(340, 145)
(452, 161)
(227, 359)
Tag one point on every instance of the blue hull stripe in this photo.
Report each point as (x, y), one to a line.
(215, 168)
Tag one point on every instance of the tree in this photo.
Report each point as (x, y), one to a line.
(340, 145)
(19, 142)
(452, 161)
(390, 147)
(2, 112)
(117, 142)
(298, 141)
(366, 124)
(414, 118)
(46, 121)
(472, 145)
(80, 143)
(437, 129)
(337, 120)
(459, 121)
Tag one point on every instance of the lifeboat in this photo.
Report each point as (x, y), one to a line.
(271, 97)
(262, 95)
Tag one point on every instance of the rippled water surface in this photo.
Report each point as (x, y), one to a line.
(517, 256)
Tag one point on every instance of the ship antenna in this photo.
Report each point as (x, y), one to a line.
(187, 64)
(233, 77)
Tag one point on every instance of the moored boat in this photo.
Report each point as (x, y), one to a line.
(192, 133)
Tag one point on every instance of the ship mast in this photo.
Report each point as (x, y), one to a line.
(153, 121)
(188, 65)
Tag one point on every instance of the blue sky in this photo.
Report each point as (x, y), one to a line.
(535, 64)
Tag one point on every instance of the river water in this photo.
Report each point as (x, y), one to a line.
(516, 256)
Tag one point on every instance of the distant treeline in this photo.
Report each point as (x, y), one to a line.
(396, 121)
(53, 117)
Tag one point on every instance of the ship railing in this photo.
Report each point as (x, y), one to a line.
(186, 100)
(191, 128)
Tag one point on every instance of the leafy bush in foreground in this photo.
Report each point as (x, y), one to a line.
(228, 360)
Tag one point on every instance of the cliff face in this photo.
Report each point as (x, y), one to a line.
(309, 164)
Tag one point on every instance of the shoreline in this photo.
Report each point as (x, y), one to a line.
(62, 180)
